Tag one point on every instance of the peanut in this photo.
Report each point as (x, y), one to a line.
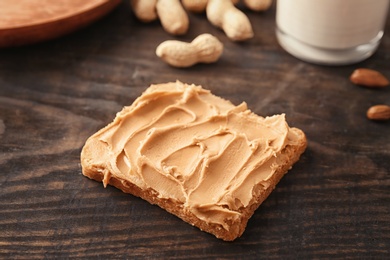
(369, 78)
(144, 10)
(223, 14)
(379, 112)
(258, 5)
(199, 6)
(203, 49)
(196, 6)
(173, 17)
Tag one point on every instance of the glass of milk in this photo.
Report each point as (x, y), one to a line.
(331, 32)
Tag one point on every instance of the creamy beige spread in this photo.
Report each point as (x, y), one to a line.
(196, 148)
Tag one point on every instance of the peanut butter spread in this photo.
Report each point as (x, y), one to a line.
(195, 148)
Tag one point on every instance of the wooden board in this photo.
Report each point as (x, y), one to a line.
(333, 204)
(30, 21)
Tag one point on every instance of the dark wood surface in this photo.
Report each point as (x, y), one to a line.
(334, 203)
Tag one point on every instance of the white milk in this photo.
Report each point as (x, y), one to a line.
(331, 31)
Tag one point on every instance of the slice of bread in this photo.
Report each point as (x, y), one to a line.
(196, 155)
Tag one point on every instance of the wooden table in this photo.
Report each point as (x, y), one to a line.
(334, 203)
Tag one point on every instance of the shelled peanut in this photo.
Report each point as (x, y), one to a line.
(370, 78)
(379, 112)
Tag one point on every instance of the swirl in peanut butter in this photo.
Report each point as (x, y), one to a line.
(195, 148)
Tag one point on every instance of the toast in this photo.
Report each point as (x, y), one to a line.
(194, 154)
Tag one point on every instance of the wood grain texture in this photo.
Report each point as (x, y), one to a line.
(334, 203)
(30, 21)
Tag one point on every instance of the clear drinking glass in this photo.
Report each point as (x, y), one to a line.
(331, 32)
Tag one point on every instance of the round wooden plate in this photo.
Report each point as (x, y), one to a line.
(30, 21)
